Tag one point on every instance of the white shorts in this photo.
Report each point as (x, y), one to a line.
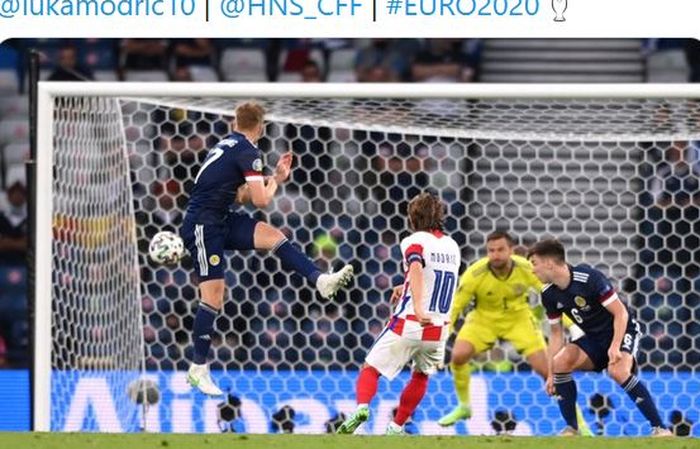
(391, 352)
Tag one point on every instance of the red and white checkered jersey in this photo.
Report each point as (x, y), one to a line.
(440, 256)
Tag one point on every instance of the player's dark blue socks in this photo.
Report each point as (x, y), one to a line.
(642, 399)
(565, 388)
(202, 330)
(293, 259)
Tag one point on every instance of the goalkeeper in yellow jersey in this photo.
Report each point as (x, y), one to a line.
(500, 284)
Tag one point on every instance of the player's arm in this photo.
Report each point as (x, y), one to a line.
(396, 293)
(416, 283)
(243, 194)
(462, 297)
(556, 339)
(620, 317)
(556, 342)
(534, 295)
(415, 263)
(260, 190)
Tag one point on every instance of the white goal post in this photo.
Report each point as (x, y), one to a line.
(75, 117)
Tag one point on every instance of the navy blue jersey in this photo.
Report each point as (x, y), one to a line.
(583, 301)
(232, 162)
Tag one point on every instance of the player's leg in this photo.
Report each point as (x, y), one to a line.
(365, 390)
(268, 237)
(575, 333)
(427, 357)
(623, 372)
(246, 233)
(205, 244)
(212, 294)
(525, 334)
(539, 364)
(462, 352)
(523, 331)
(411, 396)
(572, 357)
(473, 338)
(327, 284)
(388, 355)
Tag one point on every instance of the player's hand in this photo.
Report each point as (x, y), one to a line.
(243, 194)
(423, 319)
(614, 355)
(284, 167)
(549, 385)
(396, 295)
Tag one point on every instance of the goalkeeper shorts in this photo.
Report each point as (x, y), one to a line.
(519, 327)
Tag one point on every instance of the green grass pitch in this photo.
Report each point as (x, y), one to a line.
(234, 441)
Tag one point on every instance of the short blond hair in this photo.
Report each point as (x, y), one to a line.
(249, 115)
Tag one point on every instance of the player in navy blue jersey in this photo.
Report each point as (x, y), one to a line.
(611, 337)
(233, 173)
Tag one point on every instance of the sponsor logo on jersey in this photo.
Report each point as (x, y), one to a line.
(257, 164)
(580, 302)
(214, 260)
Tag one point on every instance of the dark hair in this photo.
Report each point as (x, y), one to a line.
(426, 212)
(548, 248)
(520, 250)
(311, 63)
(17, 186)
(498, 235)
(249, 115)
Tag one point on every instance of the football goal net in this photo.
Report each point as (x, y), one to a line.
(612, 171)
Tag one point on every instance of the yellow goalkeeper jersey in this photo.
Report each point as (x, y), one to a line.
(494, 295)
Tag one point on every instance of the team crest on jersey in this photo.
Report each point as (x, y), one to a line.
(518, 289)
(580, 302)
(257, 164)
(214, 260)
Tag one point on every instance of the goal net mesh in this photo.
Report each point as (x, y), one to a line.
(615, 180)
(97, 336)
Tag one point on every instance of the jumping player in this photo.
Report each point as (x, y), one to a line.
(233, 170)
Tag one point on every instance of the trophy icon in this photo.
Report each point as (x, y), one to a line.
(559, 6)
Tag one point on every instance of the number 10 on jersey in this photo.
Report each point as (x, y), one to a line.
(442, 291)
